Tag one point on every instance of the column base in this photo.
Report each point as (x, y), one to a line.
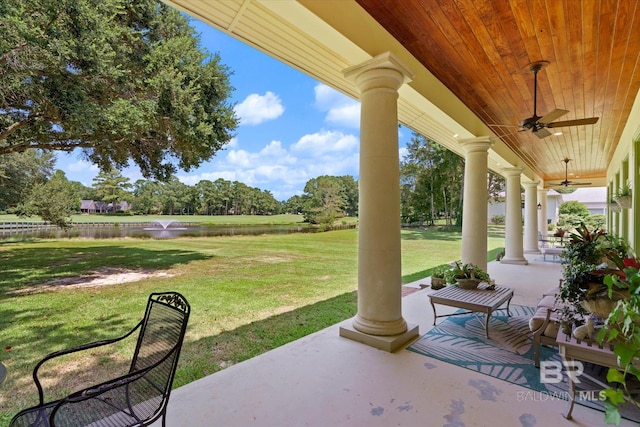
(388, 343)
(514, 260)
(532, 251)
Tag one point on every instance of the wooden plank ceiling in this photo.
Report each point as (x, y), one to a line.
(482, 51)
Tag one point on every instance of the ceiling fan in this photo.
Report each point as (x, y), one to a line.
(566, 182)
(538, 125)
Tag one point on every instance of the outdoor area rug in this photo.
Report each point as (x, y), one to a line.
(506, 355)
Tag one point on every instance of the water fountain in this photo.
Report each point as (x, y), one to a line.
(163, 224)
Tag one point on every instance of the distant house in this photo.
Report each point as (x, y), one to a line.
(90, 206)
(594, 198)
(87, 206)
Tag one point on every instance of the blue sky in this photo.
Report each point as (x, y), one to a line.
(292, 128)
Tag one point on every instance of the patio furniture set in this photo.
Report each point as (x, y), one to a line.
(544, 325)
(550, 245)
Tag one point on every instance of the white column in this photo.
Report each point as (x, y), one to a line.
(531, 218)
(542, 213)
(379, 258)
(474, 206)
(513, 250)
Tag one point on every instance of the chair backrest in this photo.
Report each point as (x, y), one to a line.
(138, 398)
(158, 348)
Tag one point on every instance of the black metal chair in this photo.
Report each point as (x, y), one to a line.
(138, 398)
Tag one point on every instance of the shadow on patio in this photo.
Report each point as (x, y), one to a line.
(325, 380)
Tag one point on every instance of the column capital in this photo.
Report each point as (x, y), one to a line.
(512, 171)
(480, 144)
(384, 65)
(530, 184)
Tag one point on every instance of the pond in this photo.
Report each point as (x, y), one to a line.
(163, 229)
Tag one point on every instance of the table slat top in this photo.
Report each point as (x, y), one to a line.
(480, 296)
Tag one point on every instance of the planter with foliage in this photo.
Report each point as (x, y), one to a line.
(622, 328)
(613, 205)
(623, 196)
(588, 258)
(559, 233)
(467, 276)
(438, 280)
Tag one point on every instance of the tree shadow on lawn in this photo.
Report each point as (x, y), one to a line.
(198, 358)
(40, 337)
(435, 233)
(30, 267)
(214, 353)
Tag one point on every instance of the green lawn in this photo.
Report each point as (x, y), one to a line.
(248, 294)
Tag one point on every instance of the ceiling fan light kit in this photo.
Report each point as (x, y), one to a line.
(566, 182)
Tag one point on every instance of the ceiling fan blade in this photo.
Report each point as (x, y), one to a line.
(552, 115)
(504, 126)
(542, 133)
(577, 122)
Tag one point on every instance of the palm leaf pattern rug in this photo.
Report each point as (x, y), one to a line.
(506, 355)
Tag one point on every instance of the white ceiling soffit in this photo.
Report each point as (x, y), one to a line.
(291, 33)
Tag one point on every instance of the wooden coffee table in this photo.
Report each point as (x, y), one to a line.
(588, 350)
(480, 300)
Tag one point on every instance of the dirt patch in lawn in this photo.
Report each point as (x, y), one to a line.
(101, 277)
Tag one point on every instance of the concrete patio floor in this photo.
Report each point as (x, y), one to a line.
(325, 380)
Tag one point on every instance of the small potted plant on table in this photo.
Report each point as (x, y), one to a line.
(467, 276)
(437, 277)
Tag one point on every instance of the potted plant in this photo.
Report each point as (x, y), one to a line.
(588, 258)
(467, 276)
(613, 205)
(622, 328)
(559, 232)
(438, 280)
(623, 196)
(581, 256)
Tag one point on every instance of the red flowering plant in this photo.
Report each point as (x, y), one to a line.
(622, 328)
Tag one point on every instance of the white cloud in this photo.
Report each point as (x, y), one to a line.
(282, 170)
(345, 116)
(256, 109)
(341, 110)
(82, 166)
(403, 152)
(320, 143)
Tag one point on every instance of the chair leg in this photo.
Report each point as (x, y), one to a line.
(536, 351)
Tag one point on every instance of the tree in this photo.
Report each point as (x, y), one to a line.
(172, 196)
(572, 213)
(20, 172)
(111, 187)
(146, 196)
(431, 181)
(325, 199)
(295, 205)
(118, 79)
(53, 201)
(351, 195)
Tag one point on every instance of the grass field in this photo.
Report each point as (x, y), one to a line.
(248, 294)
